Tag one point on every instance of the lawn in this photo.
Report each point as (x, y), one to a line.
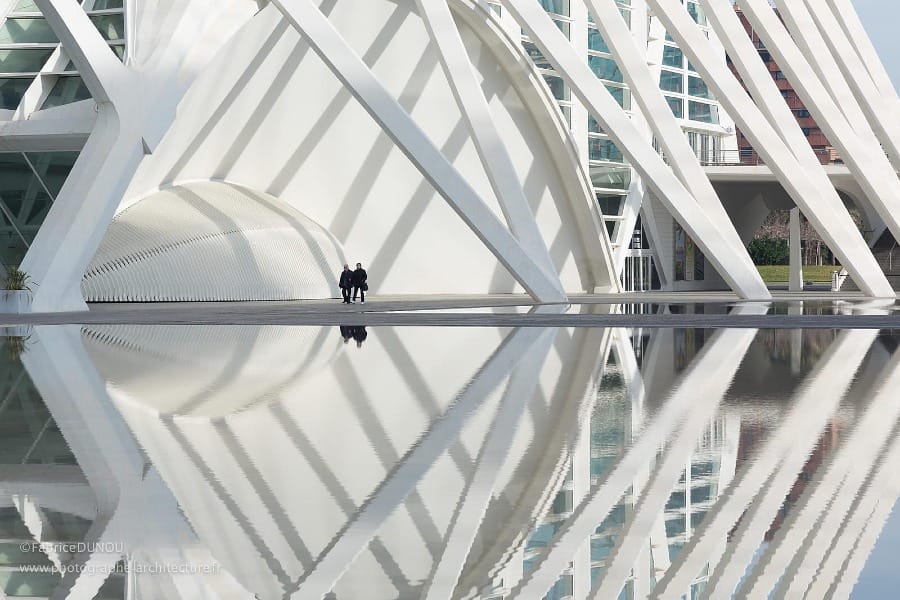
(780, 273)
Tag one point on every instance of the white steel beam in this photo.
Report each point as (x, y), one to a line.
(103, 74)
(832, 220)
(476, 112)
(854, 29)
(731, 261)
(397, 124)
(720, 358)
(808, 37)
(796, 433)
(870, 166)
(858, 96)
(73, 229)
(646, 92)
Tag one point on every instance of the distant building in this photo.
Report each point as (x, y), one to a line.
(817, 139)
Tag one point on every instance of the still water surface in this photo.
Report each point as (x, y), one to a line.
(474, 463)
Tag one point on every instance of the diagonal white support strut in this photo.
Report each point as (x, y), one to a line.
(645, 90)
(870, 166)
(831, 221)
(397, 124)
(731, 262)
(475, 111)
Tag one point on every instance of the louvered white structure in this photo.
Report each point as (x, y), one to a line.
(426, 140)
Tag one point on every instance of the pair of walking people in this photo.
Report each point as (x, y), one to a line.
(355, 280)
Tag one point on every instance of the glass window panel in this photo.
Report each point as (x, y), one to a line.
(536, 56)
(27, 31)
(611, 228)
(673, 57)
(603, 149)
(11, 92)
(594, 126)
(107, 4)
(26, 6)
(696, 12)
(610, 205)
(557, 87)
(23, 61)
(621, 95)
(670, 81)
(704, 113)
(66, 90)
(610, 178)
(560, 7)
(120, 51)
(605, 68)
(677, 106)
(111, 27)
(595, 41)
(53, 168)
(697, 87)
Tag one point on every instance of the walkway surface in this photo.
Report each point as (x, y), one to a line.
(654, 309)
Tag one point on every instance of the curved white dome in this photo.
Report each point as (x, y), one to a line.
(213, 241)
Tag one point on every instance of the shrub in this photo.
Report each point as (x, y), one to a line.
(769, 251)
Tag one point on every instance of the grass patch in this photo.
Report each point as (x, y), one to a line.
(781, 273)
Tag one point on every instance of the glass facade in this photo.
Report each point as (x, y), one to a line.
(29, 183)
(29, 49)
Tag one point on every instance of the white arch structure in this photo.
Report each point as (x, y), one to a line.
(214, 90)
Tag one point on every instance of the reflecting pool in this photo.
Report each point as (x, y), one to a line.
(480, 463)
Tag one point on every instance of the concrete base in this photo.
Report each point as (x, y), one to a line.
(15, 301)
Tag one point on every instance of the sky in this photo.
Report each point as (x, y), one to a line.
(881, 18)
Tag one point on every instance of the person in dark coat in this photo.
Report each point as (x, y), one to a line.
(360, 334)
(347, 332)
(345, 283)
(359, 283)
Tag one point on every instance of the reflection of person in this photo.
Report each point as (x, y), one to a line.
(360, 334)
(346, 333)
(359, 283)
(345, 283)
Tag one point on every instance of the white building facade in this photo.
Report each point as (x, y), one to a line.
(563, 147)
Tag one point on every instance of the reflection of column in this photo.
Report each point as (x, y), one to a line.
(797, 433)
(134, 508)
(705, 385)
(819, 399)
(708, 377)
(573, 402)
(494, 453)
(805, 537)
(796, 256)
(359, 530)
(796, 309)
(869, 517)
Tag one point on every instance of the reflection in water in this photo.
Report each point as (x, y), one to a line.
(266, 462)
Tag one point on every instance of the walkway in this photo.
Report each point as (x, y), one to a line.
(654, 309)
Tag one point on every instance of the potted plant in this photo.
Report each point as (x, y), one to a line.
(17, 291)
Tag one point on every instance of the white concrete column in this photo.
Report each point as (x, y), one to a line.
(796, 255)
